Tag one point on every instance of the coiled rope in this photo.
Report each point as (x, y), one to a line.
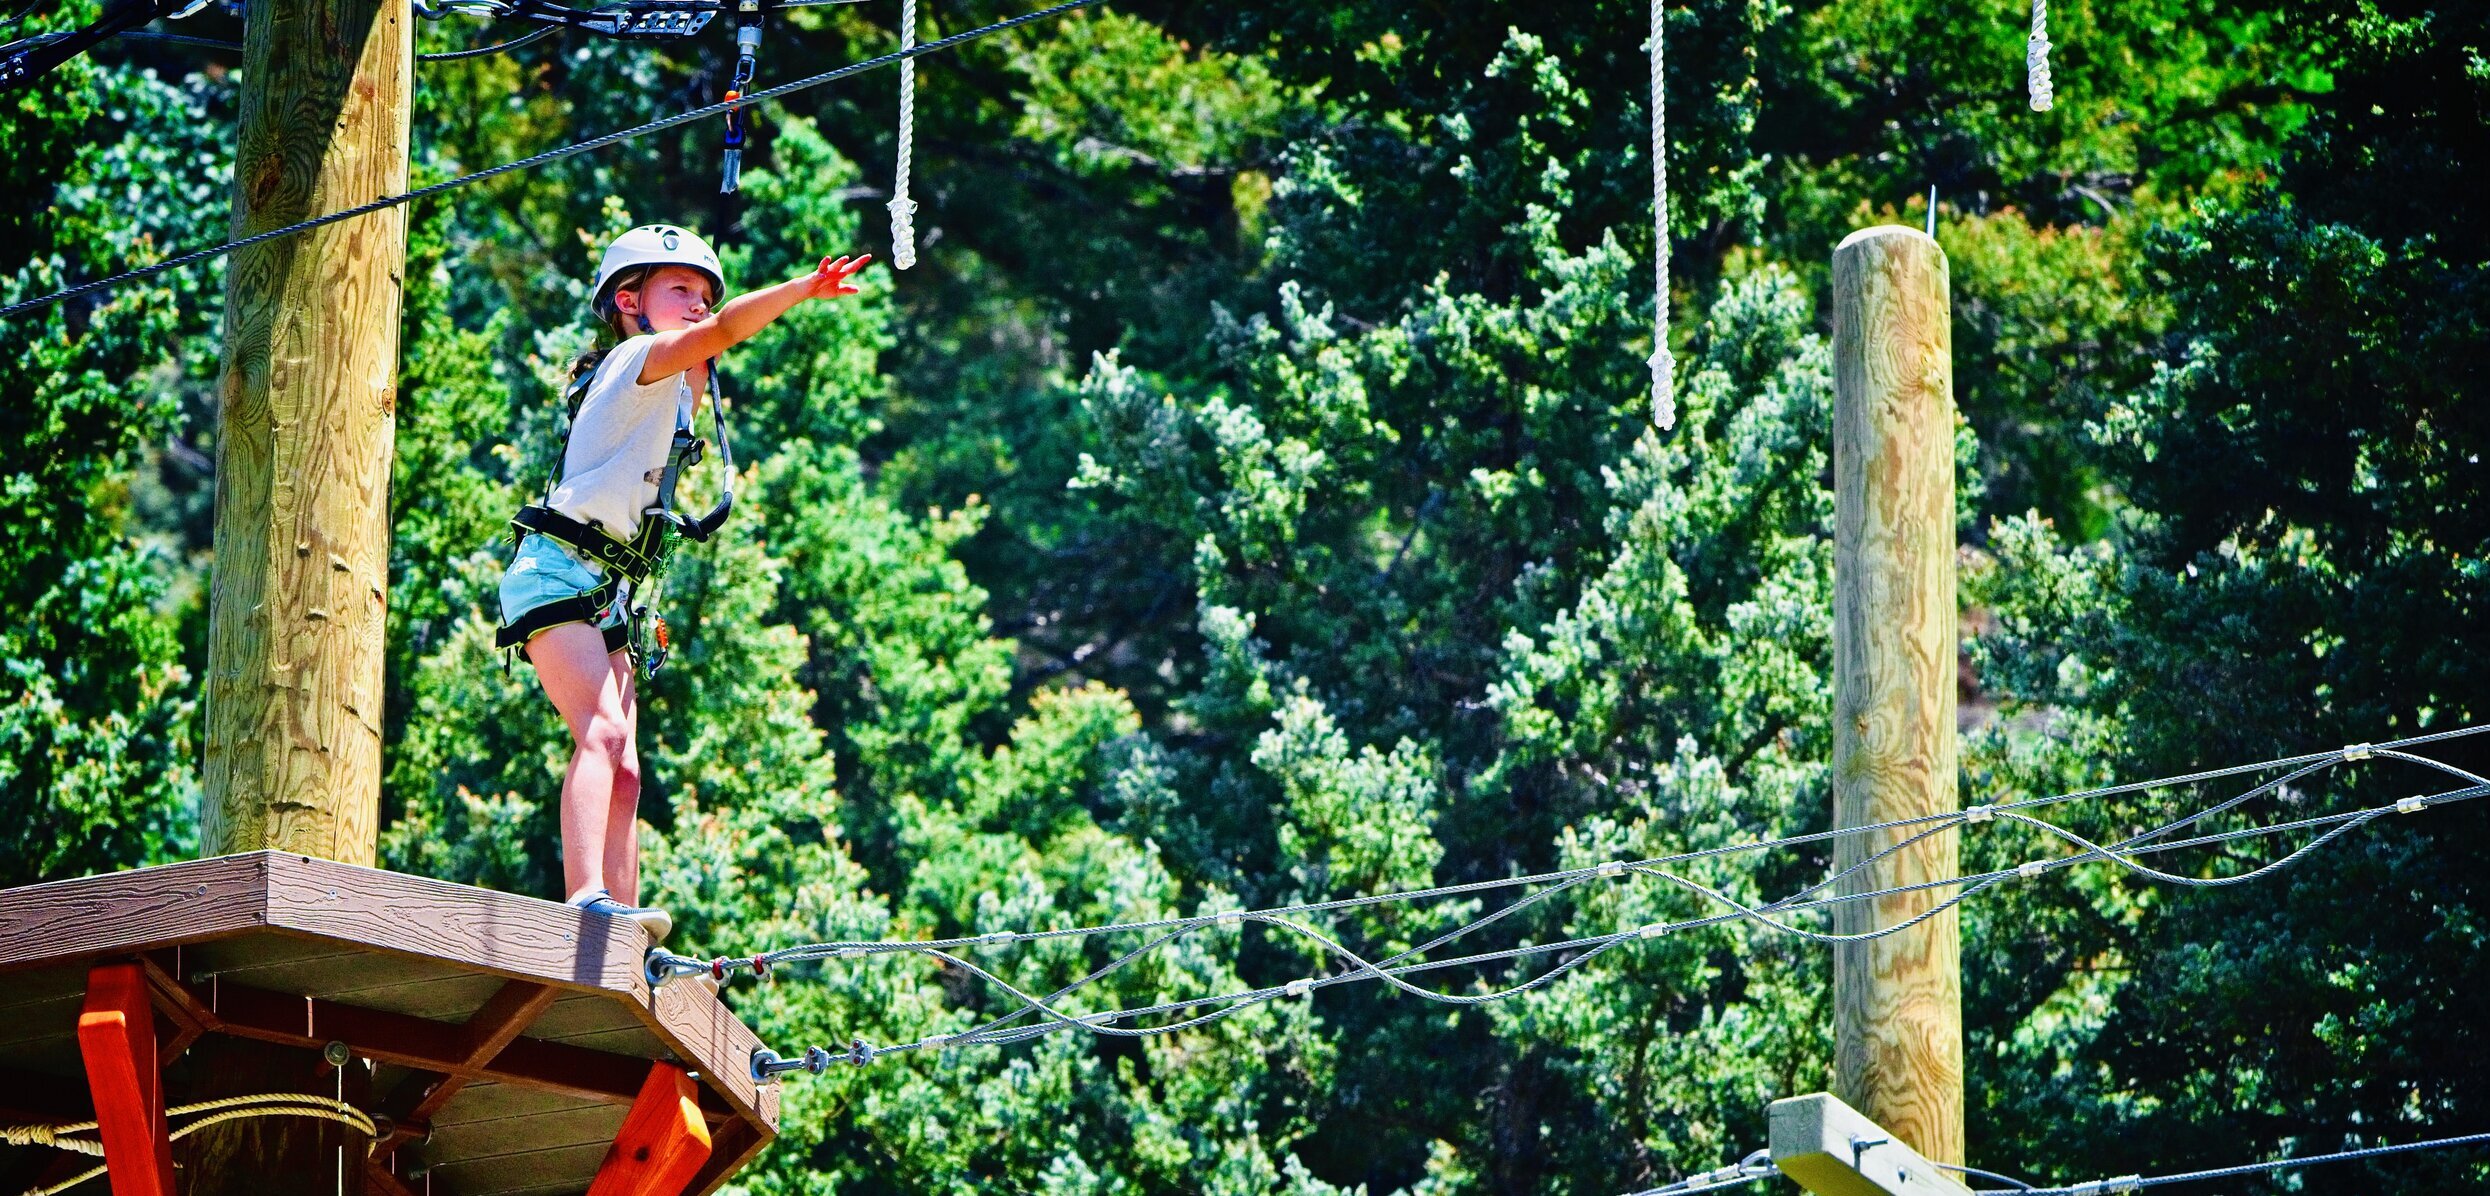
(231, 1108)
(2036, 59)
(1663, 366)
(903, 208)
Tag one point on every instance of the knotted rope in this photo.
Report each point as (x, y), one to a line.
(2036, 59)
(1663, 366)
(903, 209)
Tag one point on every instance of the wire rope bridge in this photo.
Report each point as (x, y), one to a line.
(1037, 1015)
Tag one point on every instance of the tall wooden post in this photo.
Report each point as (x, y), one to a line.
(299, 586)
(305, 434)
(1898, 1055)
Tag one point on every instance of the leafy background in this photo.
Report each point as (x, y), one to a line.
(1251, 497)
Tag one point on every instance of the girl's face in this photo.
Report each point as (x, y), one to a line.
(671, 296)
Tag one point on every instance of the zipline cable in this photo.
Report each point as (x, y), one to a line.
(2132, 1183)
(1590, 948)
(183, 39)
(1756, 1165)
(552, 155)
(685, 965)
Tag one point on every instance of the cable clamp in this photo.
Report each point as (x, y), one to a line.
(1000, 938)
(1652, 930)
(2031, 869)
(2107, 1187)
(859, 1053)
(1299, 987)
(1611, 868)
(664, 966)
(2358, 751)
(2411, 805)
(1980, 814)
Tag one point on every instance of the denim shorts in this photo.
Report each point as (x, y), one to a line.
(544, 571)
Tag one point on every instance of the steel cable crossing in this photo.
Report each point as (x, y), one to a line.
(532, 161)
(1390, 971)
(2133, 1183)
(1753, 1167)
(2320, 760)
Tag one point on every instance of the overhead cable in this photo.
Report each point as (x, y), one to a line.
(532, 161)
(1755, 1166)
(2133, 1183)
(1391, 972)
(2305, 763)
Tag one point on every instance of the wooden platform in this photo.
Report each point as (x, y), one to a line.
(508, 1035)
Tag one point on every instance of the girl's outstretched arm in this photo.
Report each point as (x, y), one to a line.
(743, 316)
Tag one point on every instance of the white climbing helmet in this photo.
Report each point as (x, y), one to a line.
(652, 245)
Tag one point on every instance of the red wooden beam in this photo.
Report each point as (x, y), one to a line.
(663, 1141)
(117, 1037)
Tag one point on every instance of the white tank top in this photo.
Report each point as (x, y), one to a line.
(619, 440)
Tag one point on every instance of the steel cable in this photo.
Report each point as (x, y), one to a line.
(1103, 1023)
(2302, 764)
(534, 160)
(2131, 1183)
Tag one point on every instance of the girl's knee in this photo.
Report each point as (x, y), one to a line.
(610, 737)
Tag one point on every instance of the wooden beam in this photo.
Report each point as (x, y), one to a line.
(1832, 1150)
(93, 917)
(117, 1038)
(1898, 1033)
(507, 1014)
(395, 1038)
(305, 431)
(663, 1141)
(189, 1019)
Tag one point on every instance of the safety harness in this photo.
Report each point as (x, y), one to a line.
(634, 569)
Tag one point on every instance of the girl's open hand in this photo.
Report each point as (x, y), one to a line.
(831, 280)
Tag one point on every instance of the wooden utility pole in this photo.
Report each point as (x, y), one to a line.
(299, 586)
(305, 433)
(1898, 1054)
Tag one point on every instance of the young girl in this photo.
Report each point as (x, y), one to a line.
(567, 595)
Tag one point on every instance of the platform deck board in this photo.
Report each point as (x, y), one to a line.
(246, 935)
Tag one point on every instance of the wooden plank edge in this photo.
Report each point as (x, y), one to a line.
(505, 934)
(698, 1027)
(90, 918)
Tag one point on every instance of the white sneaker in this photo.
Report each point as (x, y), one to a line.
(657, 922)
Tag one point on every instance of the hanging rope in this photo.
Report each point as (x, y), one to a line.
(903, 209)
(2036, 59)
(1663, 366)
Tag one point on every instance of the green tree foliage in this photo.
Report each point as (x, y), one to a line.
(1251, 498)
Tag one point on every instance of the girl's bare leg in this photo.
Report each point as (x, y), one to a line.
(595, 703)
(622, 823)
